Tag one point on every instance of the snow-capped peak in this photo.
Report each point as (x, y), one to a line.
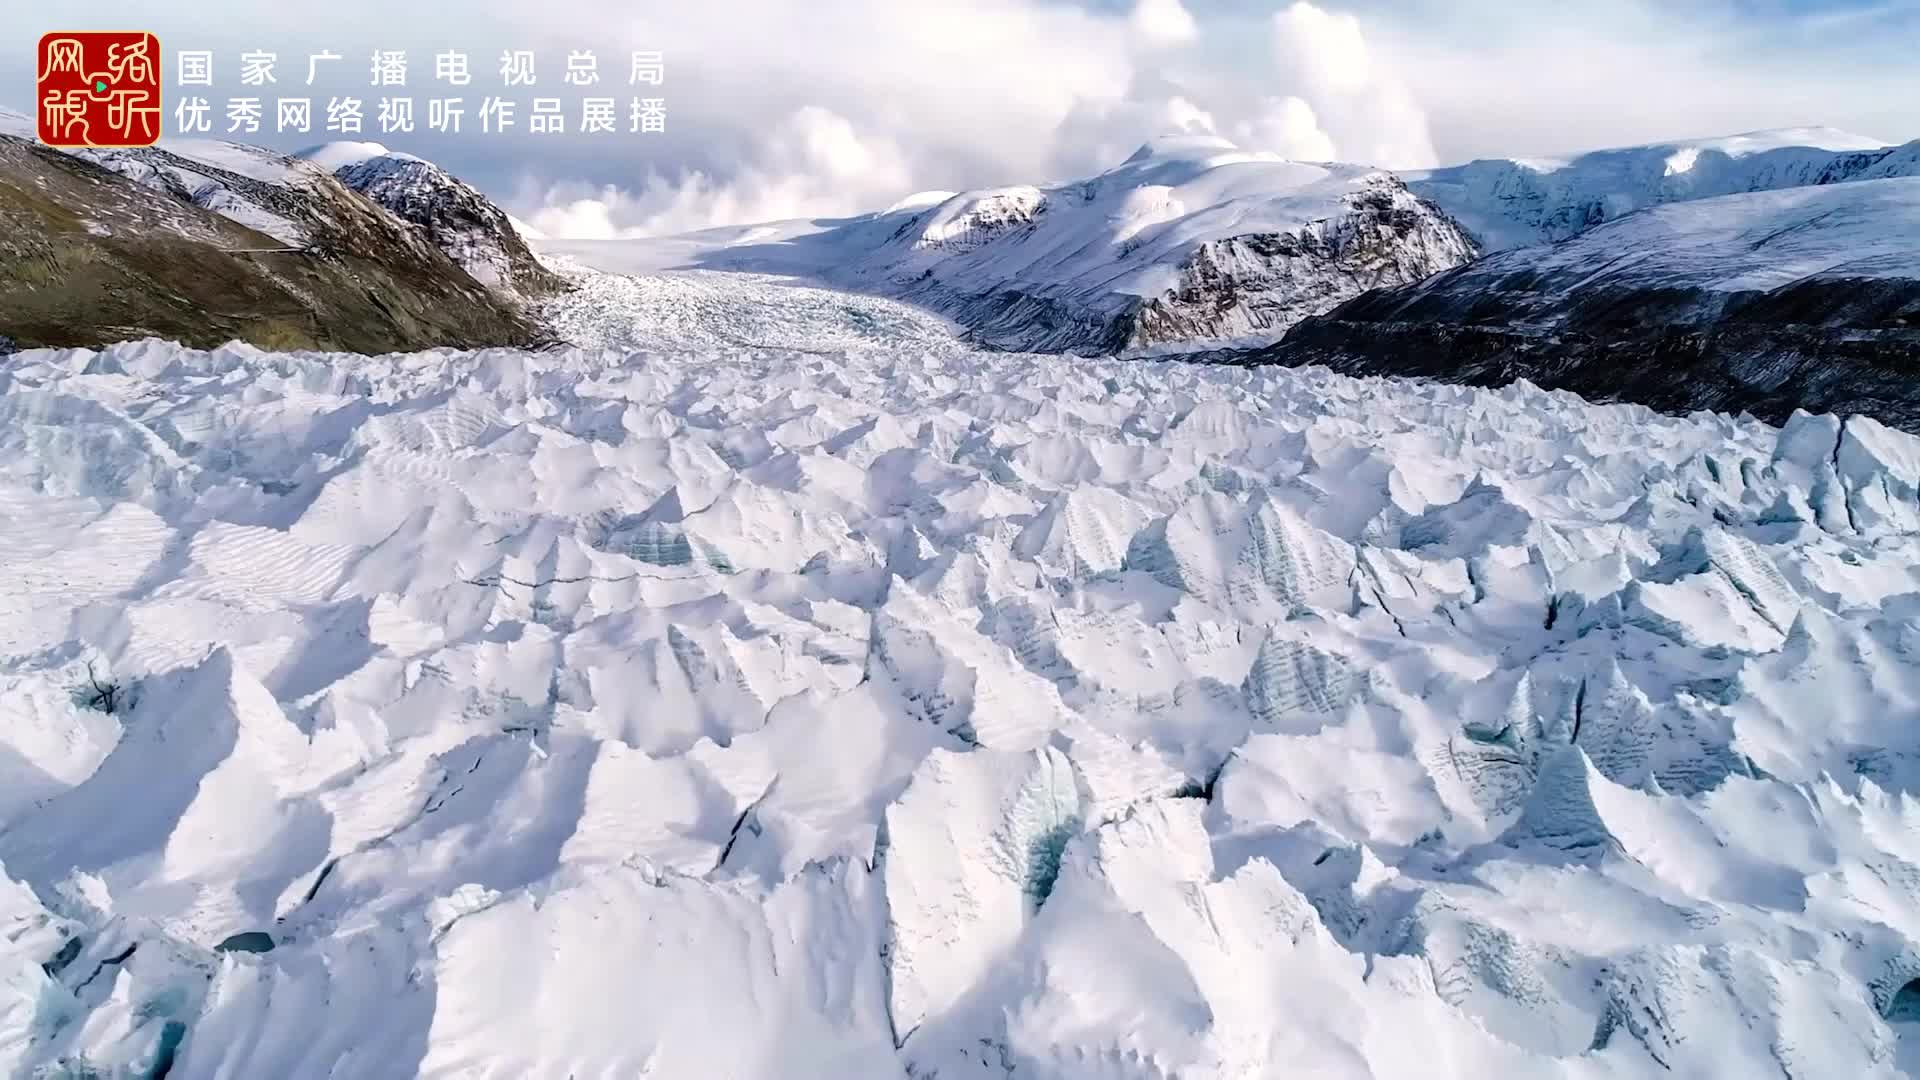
(456, 216)
(1513, 202)
(920, 200)
(334, 156)
(1183, 146)
(1817, 138)
(1192, 238)
(1175, 159)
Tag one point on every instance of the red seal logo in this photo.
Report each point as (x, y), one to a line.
(99, 89)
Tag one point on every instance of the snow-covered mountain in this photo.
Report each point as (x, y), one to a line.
(282, 196)
(459, 220)
(1195, 243)
(415, 258)
(1522, 201)
(235, 242)
(258, 188)
(1805, 297)
(1190, 239)
(910, 711)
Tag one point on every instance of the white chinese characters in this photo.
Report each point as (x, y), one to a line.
(294, 114)
(195, 68)
(582, 69)
(389, 67)
(243, 114)
(516, 68)
(649, 69)
(256, 68)
(590, 114)
(451, 67)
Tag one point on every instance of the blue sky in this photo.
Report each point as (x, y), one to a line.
(780, 107)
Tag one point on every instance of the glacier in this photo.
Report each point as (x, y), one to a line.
(1191, 239)
(703, 703)
(1195, 245)
(1515, 202)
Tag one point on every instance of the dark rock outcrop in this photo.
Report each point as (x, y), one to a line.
(457, 219)
(1758, 303)
(1266, 282)
(1235, 286)
(1188, 242)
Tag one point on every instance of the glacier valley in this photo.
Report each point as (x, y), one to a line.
(814, 696)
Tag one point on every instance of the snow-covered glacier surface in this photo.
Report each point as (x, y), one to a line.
(1515, 202)
(900, 710)
(1191, 239)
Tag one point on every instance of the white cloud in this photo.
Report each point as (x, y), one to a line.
(831, 108)
(1325, 49)
(814, 163)
(1162, 22)
(1097, 135)
(981, 93)
(1288, 127)
(1360, 105)
(966, 93)
(1515, 78)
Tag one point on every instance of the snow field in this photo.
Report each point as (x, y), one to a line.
(708, 710)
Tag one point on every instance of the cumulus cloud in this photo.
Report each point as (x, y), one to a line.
(814, 163)
(1325, 49)
(994, 92)
(1322, 97)
(780, 108)
(1362, 107)
(827, 109)
(1099, 134)
(1162, 22)
(1517, 78)
(1288, 127)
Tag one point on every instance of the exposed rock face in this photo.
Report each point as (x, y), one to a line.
(1190, 241)
(285, 198)
(1807, 298)
(149, 243)
(457, 218)
(1266, 282)
(964, 223)
(1237, 286)
(248, 185)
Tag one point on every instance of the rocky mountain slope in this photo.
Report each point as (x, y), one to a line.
(111, 245)
(456, 217)
(1194, 243)
(276, 194)
(1190, 239)
(1807, 297)
(1522, 201)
